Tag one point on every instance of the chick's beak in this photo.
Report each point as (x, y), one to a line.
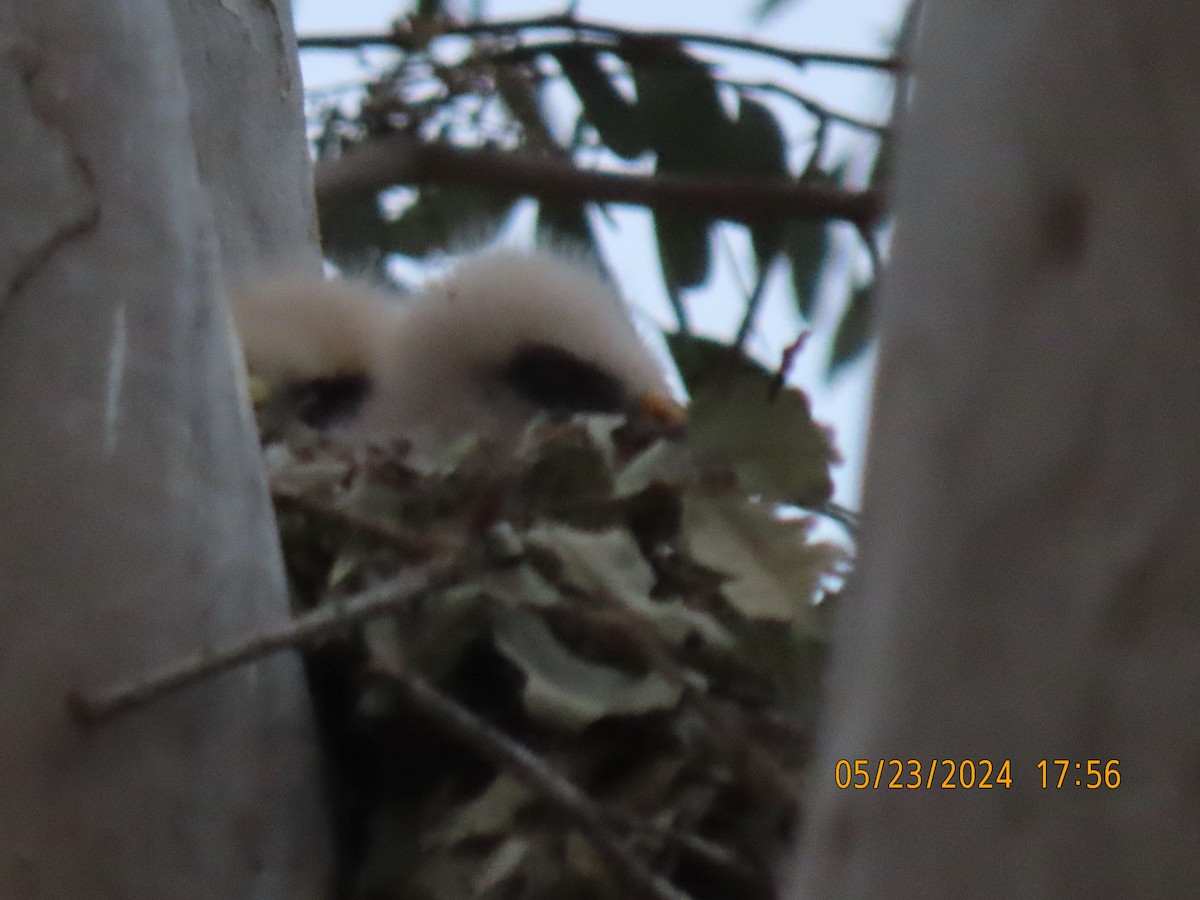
(661, 409)
(260, 390)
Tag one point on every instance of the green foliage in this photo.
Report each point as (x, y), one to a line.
(806, 245)
(685, 125)
(739, 414)
(604, 107)
(640, 98)
(441, 217)
(756, 146)
(854, 330)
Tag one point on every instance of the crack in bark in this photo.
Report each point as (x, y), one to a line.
(28, 65)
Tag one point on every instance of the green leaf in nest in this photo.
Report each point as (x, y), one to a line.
(774, 571)
(609, 564)
(568, 692)
(738, 417)
(663, 462)
(570, 475)
(437, 631)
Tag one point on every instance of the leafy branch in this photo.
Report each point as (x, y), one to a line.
(406, 37)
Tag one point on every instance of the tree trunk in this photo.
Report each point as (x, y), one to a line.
(150, 153)
(1029, 582)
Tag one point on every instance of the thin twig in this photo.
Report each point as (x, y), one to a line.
(94, 707)
(532, 771)
(818, 109)
(753, 302)
(787, 360)
(401, 159)
(408, 542)
(716, 855)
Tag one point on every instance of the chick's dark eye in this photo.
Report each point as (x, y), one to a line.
(557, 380)
(323, 402)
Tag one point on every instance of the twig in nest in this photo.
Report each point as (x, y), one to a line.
(716, 855)
(532, 771)
(408, 542)
(93, 708)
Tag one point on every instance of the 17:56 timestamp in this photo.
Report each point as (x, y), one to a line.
(1086, 773)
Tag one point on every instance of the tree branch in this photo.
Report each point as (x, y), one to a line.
(382, 163)
(615, 34)
(95, 707)
(533, 771)
(813, 107)
(90, 709)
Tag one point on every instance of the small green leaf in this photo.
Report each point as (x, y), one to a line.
(604, 107)
(739, 416)
(755, 146)
(854, 331)
(442, 217)
(806, 245)
(678, 104)
(353, 231)
(663, 462)
(683, 249)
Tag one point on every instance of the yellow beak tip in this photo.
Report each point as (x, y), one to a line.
(259, 390)
(662, 410)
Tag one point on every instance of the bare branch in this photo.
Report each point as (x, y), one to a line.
(410, 543)
(399, 159)
(93, 708)
(814, 107)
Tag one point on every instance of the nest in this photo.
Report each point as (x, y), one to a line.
(585, 667)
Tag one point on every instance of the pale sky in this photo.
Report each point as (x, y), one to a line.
(851, 26)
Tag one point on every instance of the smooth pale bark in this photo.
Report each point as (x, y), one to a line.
(150, 152)
(1029, 582)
